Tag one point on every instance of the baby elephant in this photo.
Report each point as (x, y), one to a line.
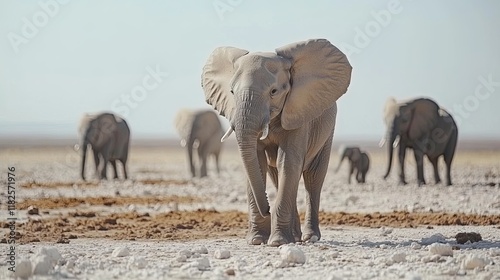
(359, 161)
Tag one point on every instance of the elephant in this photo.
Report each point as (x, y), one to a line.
(359, 162)
(108, 136)
(200, 129)
(420, 124)
(282, 108)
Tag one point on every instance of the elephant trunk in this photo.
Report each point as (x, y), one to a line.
(84, 157)
(249, 122)
(391, 136)
(341, 160)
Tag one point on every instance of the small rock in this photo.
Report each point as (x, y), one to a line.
(203, 264)
(137, 263)
(181, 258)
(186, 253)
(385, 231)
(464, 237)
(230, 272)
(433, 239)
(201, 250)
(24, 269)
(441, 249)
(473, 261)
(32, 210)
(292, 254)
(42, 265)
(120, 252)
(398, 257)
(415, 246)
(222, 254)
(51, 252)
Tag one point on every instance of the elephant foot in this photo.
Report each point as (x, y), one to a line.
(421, 183)
(256, 238)
(278, 238)
(311, 236)
(403, 183)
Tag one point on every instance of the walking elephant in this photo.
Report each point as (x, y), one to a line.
(108, 136)
(358, 161)
(420, 124)
(282, 107)
(202, 130)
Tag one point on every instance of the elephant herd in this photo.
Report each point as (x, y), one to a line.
(282, 109)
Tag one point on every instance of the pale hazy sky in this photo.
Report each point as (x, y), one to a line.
(143, 59)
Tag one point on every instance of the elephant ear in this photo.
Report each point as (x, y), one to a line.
(424, 117)
(320, 74)
(216, 79)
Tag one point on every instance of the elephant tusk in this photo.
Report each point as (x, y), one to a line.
(396, 142)
(382, 142)
(265, 132)
(227, 134)
(183, 142)
(76, 147)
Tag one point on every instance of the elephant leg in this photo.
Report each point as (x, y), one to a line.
(435, 166)
(190, 159)
(402, 155)
(203, 161)
(448, 158)
(124, 164)
(358, 175)
(297, 233)
(285, 206)
(351, 171)
(97, 162)
(113, 163)
(216, 156)
(259, 227)
(419, 158)
(314, 177)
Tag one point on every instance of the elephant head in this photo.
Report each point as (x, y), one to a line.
(98, 132)
(291, 86)
(407, 122)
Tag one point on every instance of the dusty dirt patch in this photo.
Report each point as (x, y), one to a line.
(65, 202)
(162, 182)
(52, 185)
(205, 223)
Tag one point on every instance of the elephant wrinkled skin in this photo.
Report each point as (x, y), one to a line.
(282, 107)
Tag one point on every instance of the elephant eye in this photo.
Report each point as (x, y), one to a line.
(273, 92)
(232, 92)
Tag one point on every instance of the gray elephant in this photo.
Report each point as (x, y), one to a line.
(359, 161)
(202, 130)
(282, 107)
(420, 124)
(108, 136)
